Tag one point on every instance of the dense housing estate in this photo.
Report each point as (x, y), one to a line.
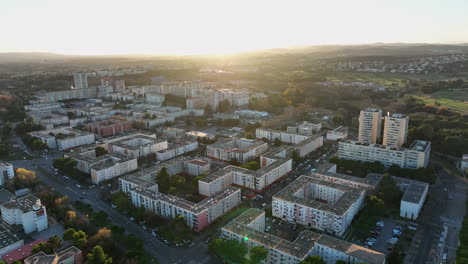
(249, 228)
(243, 150)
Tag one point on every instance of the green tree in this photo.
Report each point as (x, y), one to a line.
(54, 242)
(234, 161)
(100, 151)
(258, 254)
(224, 106)
(277, 142)
(313, 260)
(163, 180)
(97, 256)
(42, 247)
(340, 262)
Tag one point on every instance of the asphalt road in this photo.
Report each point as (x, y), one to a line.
(156, 248)
(446, 204)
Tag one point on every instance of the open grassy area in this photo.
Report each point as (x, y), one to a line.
(453, 99)
(383, 78)
(18, 154)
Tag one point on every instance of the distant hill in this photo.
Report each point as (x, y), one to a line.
(376, 49)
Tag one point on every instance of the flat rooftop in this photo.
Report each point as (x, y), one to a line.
(413, 190)
(24, 203)
(303, 244)
(340, 129)
(347, 197)
(134, 142)
(420, 145)
(329, 169)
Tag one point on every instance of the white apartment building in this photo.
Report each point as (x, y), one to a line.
(414, 196)
(105, 167)
(243, 150)
(177, 148)
(286, 137)
(303, 144)
(248, 228)
(416, 156)
(327, 172)
(81, 80)
(64, 138)
(370, 126)
(274, 165)
(137, 146)
(7, 172)
(305, 128)
(197, 215)
(395, 130)
(155, 98)
(338, 133)
(26, 211)
(197, 167)
(318, 204)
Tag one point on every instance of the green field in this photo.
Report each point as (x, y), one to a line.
(383, 78)
(453, 99)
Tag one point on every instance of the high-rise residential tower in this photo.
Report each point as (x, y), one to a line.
(370, 125)
(81, 80)
(395, 130)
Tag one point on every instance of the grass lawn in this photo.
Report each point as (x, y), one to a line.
(454, 99)
(383, 78)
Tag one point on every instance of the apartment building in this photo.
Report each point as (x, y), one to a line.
(26, 211)
(110, 127)
(303, 143)
(395, 130)
(464, 163)
(70, 255)
(197, 215)
(305, 128)
(274, 165)
(49, 120)
(155, 98)
(9, 241)
(64, 138)
(318, 204)
(20, 253)
(81, 93)
(327, 172)
(137, 146)
(7, 172)
(143, 190)
(338, 133)
(370, 126)
(248, 228)
(177, 147)
(286, 137)
(118, 85)
(81, 80)
(243, 150)
(102, 168)
(416, 156)
(414, 196)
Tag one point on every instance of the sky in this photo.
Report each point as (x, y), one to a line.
(92, 27)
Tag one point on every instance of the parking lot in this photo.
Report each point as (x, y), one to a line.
(384, 235)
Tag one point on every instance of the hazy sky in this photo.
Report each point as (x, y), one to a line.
(199, 26)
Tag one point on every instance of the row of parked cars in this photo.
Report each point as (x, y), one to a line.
(374, 234)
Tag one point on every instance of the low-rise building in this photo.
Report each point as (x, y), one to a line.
(414, 196)
(22, 252)
(63, 138)
(338, 133)
(327, 172)
(70, 255)
(305, 128)
(104, 167)
(7, 172)
(176, 148)
(318, 204)
(416, 156)
(243, 150)
(274, 165)
(303, 143)
(110, 127)
(197, 167)
(26, 211)
(249, 227)
(137, 146)
(9, 241)
(143, 190)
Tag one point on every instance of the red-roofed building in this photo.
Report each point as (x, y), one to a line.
(21, 252)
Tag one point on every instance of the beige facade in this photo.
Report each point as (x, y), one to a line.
(395, 130)
(370, 125)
